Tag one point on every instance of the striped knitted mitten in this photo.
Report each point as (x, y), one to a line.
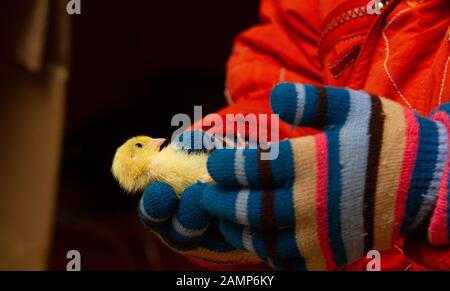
(326, 200)
(182, 224)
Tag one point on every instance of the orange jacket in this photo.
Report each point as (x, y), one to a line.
(402, 54)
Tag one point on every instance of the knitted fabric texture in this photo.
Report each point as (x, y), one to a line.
(373, 174)
(439, 230)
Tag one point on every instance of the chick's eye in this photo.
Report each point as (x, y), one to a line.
(139, 145)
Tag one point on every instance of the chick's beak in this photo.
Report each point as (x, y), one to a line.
(159, 142)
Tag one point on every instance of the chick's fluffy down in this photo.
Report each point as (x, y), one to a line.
(140, 161)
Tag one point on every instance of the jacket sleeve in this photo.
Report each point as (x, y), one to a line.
(282, 47)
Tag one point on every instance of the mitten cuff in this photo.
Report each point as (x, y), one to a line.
(429, 161)
(439, 228)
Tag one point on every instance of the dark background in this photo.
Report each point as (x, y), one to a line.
(134, 65)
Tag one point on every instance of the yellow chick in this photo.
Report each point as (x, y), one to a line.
(140, 161)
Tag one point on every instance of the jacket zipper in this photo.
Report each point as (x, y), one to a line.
(361, 68)
(348, 16)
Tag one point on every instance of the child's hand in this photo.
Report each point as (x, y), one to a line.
(184, 226)
(371, 176)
